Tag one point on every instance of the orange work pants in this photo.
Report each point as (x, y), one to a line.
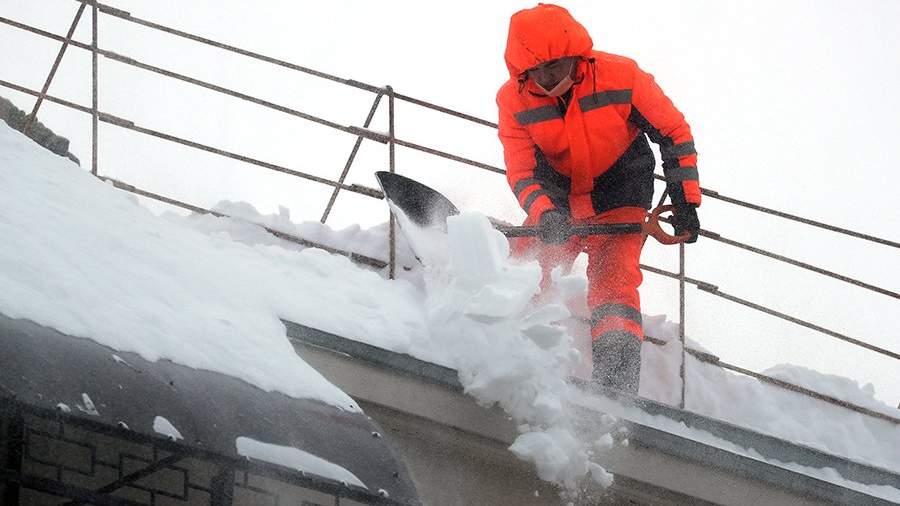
(613, 270)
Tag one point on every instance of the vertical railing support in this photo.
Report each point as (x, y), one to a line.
(681, 312)
(59, 56)
(392, 234)
(352, 157)
(95, 120)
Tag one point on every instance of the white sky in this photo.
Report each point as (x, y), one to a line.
(793, 105)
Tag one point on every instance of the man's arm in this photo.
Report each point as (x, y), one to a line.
(654, 113)
(519, 155)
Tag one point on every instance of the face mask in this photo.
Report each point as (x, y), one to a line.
(560, 88)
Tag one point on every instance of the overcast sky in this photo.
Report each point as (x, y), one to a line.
(793, 106)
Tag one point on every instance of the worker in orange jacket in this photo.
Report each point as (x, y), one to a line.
(574, 124)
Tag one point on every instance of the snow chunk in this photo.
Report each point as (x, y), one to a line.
(87, 406)
(600, 475)
(604, 443)
(474, 246)
(164, 427)
(295, 458)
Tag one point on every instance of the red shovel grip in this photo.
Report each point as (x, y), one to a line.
(652, 227)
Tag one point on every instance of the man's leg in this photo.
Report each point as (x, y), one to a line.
(614, 276)
(549, 256)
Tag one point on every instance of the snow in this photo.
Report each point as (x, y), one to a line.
(86, 259)
(508, 350)
(165, 427)
(294, 458)
(209, 292)
(87, 406)
(771, 410)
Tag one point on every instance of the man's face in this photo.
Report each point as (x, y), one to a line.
(550, 73)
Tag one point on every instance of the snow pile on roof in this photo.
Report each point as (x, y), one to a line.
(84, 258)
(165, 427)
(772, 410)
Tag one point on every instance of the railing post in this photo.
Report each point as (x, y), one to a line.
(59, 56)
(392, 235)
(95, 120)
(681, 311)
(350, 159)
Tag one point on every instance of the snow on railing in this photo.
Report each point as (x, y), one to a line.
(392, 141)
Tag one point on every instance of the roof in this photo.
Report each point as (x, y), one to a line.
(44, 369)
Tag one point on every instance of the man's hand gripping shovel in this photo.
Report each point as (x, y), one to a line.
(426, 208)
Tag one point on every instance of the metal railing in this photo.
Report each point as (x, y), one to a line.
(363, 133)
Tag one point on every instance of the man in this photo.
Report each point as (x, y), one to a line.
(574, 124)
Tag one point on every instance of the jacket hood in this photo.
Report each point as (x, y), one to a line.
(542, 33)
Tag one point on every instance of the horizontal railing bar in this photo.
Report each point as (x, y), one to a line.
(806, 221)
(818, 270)
(713, 360)
(449, 156)
(451, 112)
(674, 275)
(126, 16)
(356, 257)
(797, 263)
(709, 358)
(108, 118)
(221, 89)
(713, 289)
(181, 77)
(802, 323)
(356, 131)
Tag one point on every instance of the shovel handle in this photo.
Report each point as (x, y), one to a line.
(575, 230)
(650, 227)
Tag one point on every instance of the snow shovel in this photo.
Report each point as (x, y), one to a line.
(429, 209)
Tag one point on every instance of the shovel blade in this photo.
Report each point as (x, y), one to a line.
(422, 205)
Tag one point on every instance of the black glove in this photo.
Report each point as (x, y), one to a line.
(555, 228)
(685, 220)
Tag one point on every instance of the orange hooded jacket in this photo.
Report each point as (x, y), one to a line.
(587, 154)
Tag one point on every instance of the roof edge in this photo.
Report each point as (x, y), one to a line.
(770, 447)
